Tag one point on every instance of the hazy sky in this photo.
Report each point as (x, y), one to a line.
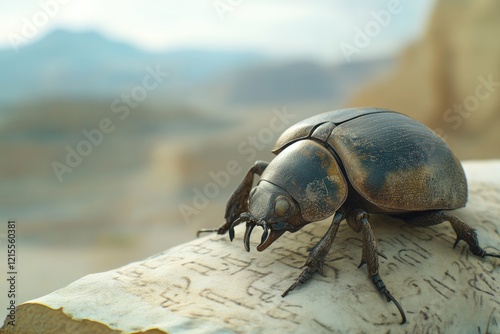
(291, 28)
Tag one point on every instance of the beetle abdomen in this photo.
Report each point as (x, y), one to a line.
(398, 164)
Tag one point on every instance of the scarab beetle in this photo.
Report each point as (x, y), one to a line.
(346, 164)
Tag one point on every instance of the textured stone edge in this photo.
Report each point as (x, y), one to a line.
(43, 319)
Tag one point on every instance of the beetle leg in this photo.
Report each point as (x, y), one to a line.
(464, 232)
(318, 253)
(468, 234)
(370, 256)
(238, 202)
(354, 219)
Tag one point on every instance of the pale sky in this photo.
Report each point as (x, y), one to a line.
(293, 28)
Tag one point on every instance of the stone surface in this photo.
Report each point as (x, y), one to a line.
(211, 285)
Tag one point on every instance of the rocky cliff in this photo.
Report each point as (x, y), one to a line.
(450, 78)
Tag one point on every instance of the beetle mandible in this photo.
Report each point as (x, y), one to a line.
(346, 164)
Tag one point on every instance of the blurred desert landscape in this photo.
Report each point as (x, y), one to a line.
(449, 79)
(184, 125)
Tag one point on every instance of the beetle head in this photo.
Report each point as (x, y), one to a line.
(274, 210)
(303, 184)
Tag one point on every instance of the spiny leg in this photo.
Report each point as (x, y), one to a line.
(318, 253)
(463, 231)
(358, 221)
(238, 202)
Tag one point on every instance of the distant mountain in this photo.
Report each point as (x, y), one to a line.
(296, 81)
(87, 65)
(299, 81)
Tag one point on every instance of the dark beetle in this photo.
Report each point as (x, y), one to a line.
(348, 163)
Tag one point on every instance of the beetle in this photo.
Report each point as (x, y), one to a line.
(347, 164)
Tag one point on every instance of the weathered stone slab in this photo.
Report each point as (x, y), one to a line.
(211, 285)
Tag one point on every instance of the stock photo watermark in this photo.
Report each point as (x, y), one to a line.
(121, 107)
(11, 271)
(224, 6)
(248, 148)
(456, 115)
(364, 36)
(31, 26)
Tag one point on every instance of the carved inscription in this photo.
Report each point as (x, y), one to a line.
(211, 278)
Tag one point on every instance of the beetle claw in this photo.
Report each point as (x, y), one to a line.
(311, 266)
(304, 276)
(243, 217)
(383, 290)
(293, 286)
(231, 228)
(265, 233)
(391, 298)
(248, 232)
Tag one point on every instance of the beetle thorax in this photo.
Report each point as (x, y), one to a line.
(309, 173)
